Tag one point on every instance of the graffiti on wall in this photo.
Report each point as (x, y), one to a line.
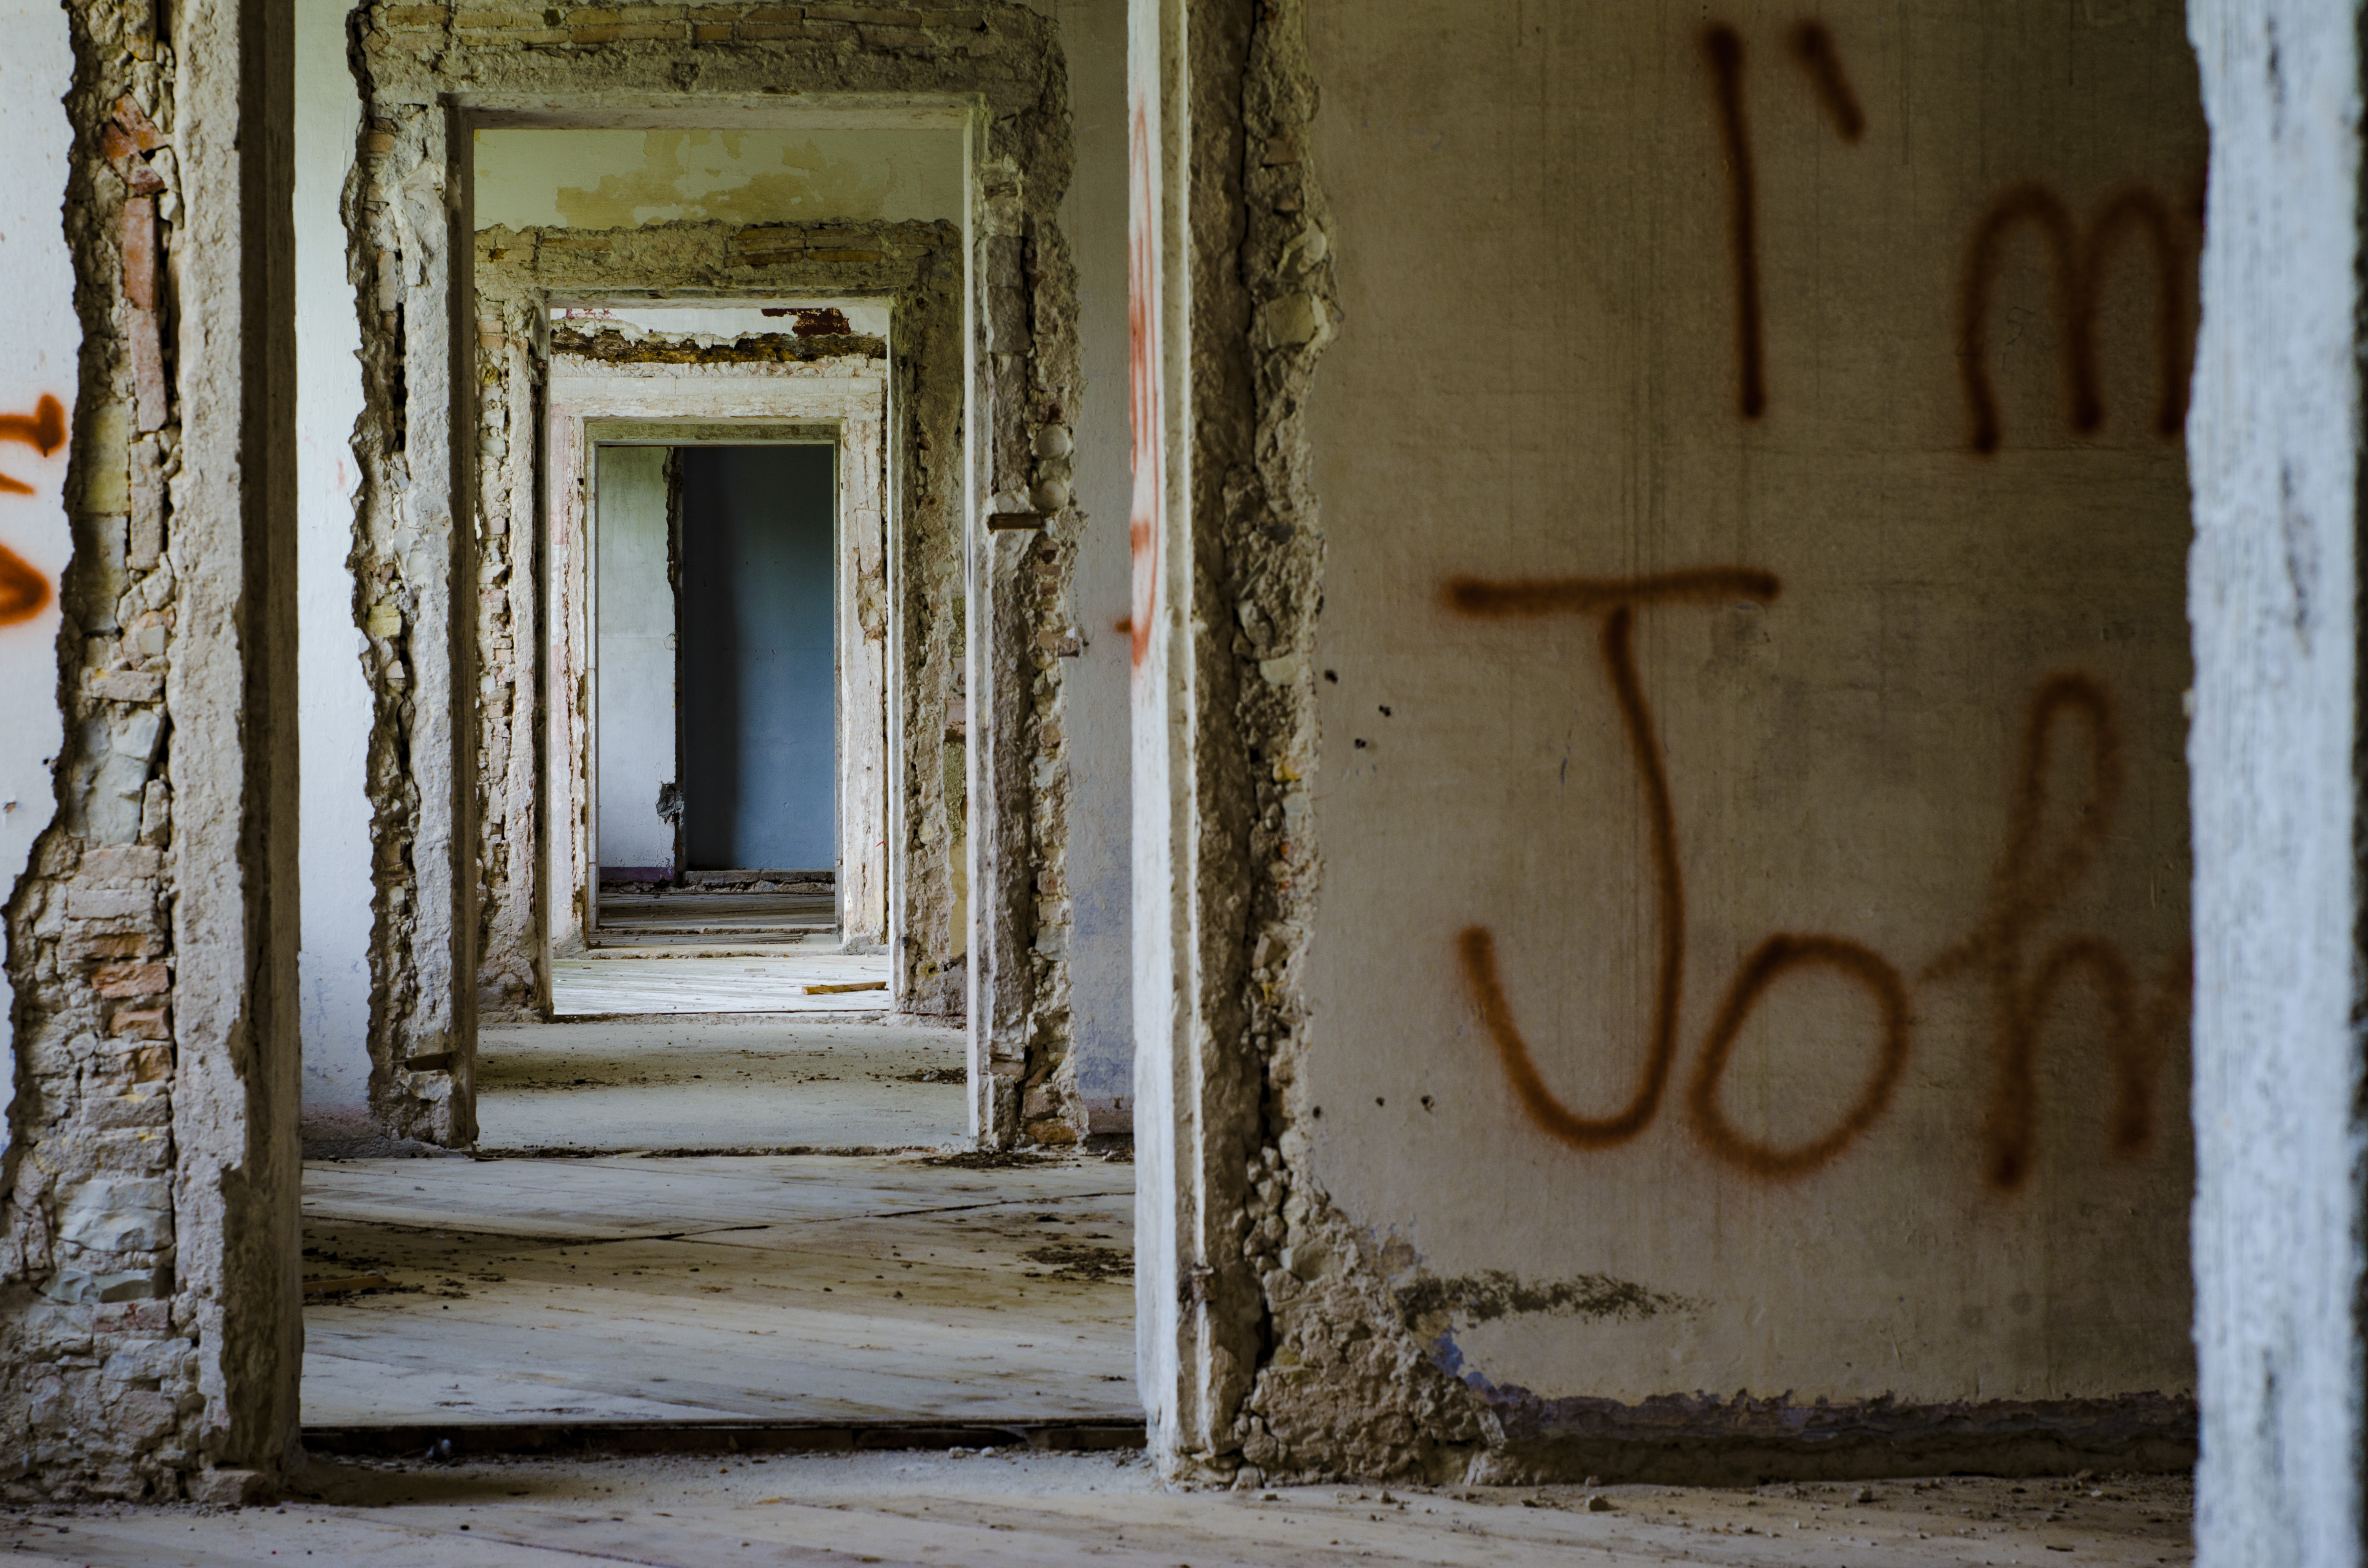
(1813, 46)
(1147, 457)
(2079, 259)
(2033, 880)
(24, 591)
(2078, 262)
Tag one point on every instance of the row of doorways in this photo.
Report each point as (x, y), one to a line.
(714, 665)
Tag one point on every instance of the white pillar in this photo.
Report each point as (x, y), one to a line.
(2276, 751)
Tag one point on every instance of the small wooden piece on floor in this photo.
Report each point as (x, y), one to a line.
(347, 1284)
(852, 986)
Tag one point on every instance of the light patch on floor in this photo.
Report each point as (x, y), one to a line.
(788, 1288)
(610, 984)
(756, 1085)
(1020, 1510)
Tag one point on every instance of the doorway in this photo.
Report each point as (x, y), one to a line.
(719, 711)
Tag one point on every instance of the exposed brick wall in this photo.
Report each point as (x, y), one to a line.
(151, 942)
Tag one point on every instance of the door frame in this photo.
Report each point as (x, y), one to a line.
(593, 404)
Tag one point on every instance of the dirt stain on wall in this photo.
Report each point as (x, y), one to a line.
(1493, 1294)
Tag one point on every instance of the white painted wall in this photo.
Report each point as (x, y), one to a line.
(333, 696)
(1093, 36)
(634, 663)
(39, 339)
(614, 179)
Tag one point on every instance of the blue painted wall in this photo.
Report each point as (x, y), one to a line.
(758, 692)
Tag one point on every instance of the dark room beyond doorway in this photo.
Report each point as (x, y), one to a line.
(757, 671)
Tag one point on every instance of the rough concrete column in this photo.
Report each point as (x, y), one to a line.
(2275, 445)
(1193, 406)
(231, 694)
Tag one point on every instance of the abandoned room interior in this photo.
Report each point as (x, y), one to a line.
(1189, 780)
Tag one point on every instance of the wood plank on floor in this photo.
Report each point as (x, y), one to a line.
(614, 984)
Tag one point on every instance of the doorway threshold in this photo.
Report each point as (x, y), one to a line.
(429, 1440)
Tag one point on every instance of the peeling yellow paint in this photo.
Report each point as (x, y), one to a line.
(611, 179)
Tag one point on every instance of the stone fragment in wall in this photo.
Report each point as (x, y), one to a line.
(111, 807)
(156, 1362)
(1006, 321)
(152, 638)
(1286, 671)
(109, 903)
(131, 979)
(142, 1022)
(119, 1213)
(152, 592)
(86, 944)
(155, 812)
(150, 1062)
(73, 1283)
(106, 440)
(1292, 322)
(145, 541)
(104, 576)
(127, 685)
(120, 865)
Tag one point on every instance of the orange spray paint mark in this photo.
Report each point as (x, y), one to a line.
(23, 591)
(1144, 402)
(1723, 46)
(1616, 599)
(1813, 46)
(2031, 883)
(2078, 266)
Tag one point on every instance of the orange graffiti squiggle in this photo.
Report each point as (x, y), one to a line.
(2031, 883)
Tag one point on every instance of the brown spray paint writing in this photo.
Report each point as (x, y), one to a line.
(2031, 883)
(2078, 261)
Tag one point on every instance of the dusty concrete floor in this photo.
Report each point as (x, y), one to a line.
(997, 1510)
(758, 1084)
(817, 1288)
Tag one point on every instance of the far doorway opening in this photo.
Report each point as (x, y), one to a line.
(718, 711)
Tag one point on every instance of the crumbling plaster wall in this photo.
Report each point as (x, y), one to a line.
(429, 71)
(630, 177)
(149, 1336)
(1473, 1170)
